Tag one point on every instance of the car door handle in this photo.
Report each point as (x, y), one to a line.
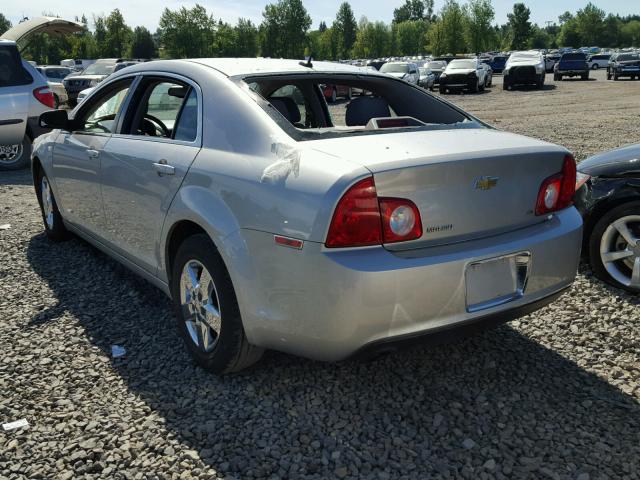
(93, 153)
(163, 169)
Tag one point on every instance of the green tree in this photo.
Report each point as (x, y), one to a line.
(453, 20)
(590, 24)
(118, 36)
(346, 30)
(100, 37)
(142, 44)
(225, 40)
(479, 32)
(631, 33)
(569, 34)
(520, 26)
(410, 37)
(435, 38)
(373, 39)
(246, 38)
(539, 38)
(5, 24)
(413, 10)
(565, 17)
(187, 32)
(283, 32)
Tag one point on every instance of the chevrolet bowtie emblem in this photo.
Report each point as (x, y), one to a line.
(486, 183)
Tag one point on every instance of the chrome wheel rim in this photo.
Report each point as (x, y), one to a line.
(10, 153)
(47, 202)
(620, 250)
(200, 306)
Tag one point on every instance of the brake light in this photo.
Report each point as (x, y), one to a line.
(362, 219)
(45, 96)
(557, 191)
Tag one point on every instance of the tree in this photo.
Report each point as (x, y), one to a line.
(246, 38)
(539, 38)
(413, 10)
(142, 44)
(5, 24)
(565, 17)
(373, 40)
(410, 37)
(100, 36)
(631, 32)
(118, 36)
(322, 27)
(479, 32)
(520, 26)
(346, 29)
(187, 33)
(283, 32)
(453, 21)
(569, 34)
(590, 24)
(435, 38)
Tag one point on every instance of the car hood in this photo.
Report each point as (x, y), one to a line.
(623, 162)
(523, 62)
(460, 71)
(398, 74)
(86, 77)
(49, 25)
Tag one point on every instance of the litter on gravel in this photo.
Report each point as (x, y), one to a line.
(14, 425)
(5, 226)
(117, 351)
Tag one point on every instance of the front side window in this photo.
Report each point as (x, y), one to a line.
(165, 109)
(101, 114)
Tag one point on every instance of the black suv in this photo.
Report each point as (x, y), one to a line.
(624, 65)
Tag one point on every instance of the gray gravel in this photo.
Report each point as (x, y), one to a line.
(554, 395)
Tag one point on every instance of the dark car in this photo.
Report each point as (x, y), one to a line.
(571, 65)
(608, 197)
(497, 63)
(93, 75)
(437, 67)
(624, 65)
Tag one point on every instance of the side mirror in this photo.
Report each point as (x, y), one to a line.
(55, 119)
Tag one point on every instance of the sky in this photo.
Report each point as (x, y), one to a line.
(147, 12)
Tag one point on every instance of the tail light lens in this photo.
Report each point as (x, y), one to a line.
(45, 96)
(557, 191)
(362, 219)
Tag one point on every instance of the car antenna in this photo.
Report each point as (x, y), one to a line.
(308, 63)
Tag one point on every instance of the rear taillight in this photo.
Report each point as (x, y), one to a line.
(557, 191)
(362, 219)
(45, 96)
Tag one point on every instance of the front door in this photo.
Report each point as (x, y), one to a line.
(77, 159)
(144, 164)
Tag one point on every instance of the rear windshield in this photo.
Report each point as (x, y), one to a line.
(99, 69)
(315, 106)
(574, 56)
(12, 72)
(395, 68)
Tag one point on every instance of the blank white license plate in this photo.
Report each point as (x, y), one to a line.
(493, 282)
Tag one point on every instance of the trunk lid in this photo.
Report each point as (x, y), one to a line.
(467, 184)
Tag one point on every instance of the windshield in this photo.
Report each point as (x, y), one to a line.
(436, 65)
(462, 65)
(424, 71)
(99, 69)
(395, 68)
(628, 57)
(524, 56)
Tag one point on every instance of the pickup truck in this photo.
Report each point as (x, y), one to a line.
(571, 65)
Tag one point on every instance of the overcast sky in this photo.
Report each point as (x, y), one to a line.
(147, 12)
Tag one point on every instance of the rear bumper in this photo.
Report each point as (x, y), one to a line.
(572, 73)
(327, 305)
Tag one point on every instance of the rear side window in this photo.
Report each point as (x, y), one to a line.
(12, 72)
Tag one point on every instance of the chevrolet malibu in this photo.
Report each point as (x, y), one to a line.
(276, 221)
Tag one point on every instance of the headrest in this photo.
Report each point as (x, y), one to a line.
(287, 107)
(362, 109)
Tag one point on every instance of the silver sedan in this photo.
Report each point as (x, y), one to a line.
(275, 221)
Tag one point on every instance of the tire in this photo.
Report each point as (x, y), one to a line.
(443, 90)
(16, 157)
(349, 94)
(605, 237)
(557, 78)
(506, 85)
(595, 66)
(584, 77)
(229, 350)
(53, 224)
(615, 77)
(481, 87)
(608, 76)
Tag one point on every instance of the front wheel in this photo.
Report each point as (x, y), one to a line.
(443, 90)
(53, 224)
(595, 66)
(614, 247)
(207, 309)
(15, 157)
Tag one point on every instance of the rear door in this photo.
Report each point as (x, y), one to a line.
(15, 90)
(145, 163)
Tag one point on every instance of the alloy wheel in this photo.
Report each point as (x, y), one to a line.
(47, 202)
(10, 154)
(200, 305)
(620, 250)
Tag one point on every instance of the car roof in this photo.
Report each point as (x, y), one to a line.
(233, 67)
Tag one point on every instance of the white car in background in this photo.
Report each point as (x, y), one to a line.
(464, 74)
(24, 92)
(406, 71)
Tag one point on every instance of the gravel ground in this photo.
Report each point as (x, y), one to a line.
(553, 395)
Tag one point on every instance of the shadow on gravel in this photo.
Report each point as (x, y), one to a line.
(427, 412)
(547, 87)
(16, 177)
